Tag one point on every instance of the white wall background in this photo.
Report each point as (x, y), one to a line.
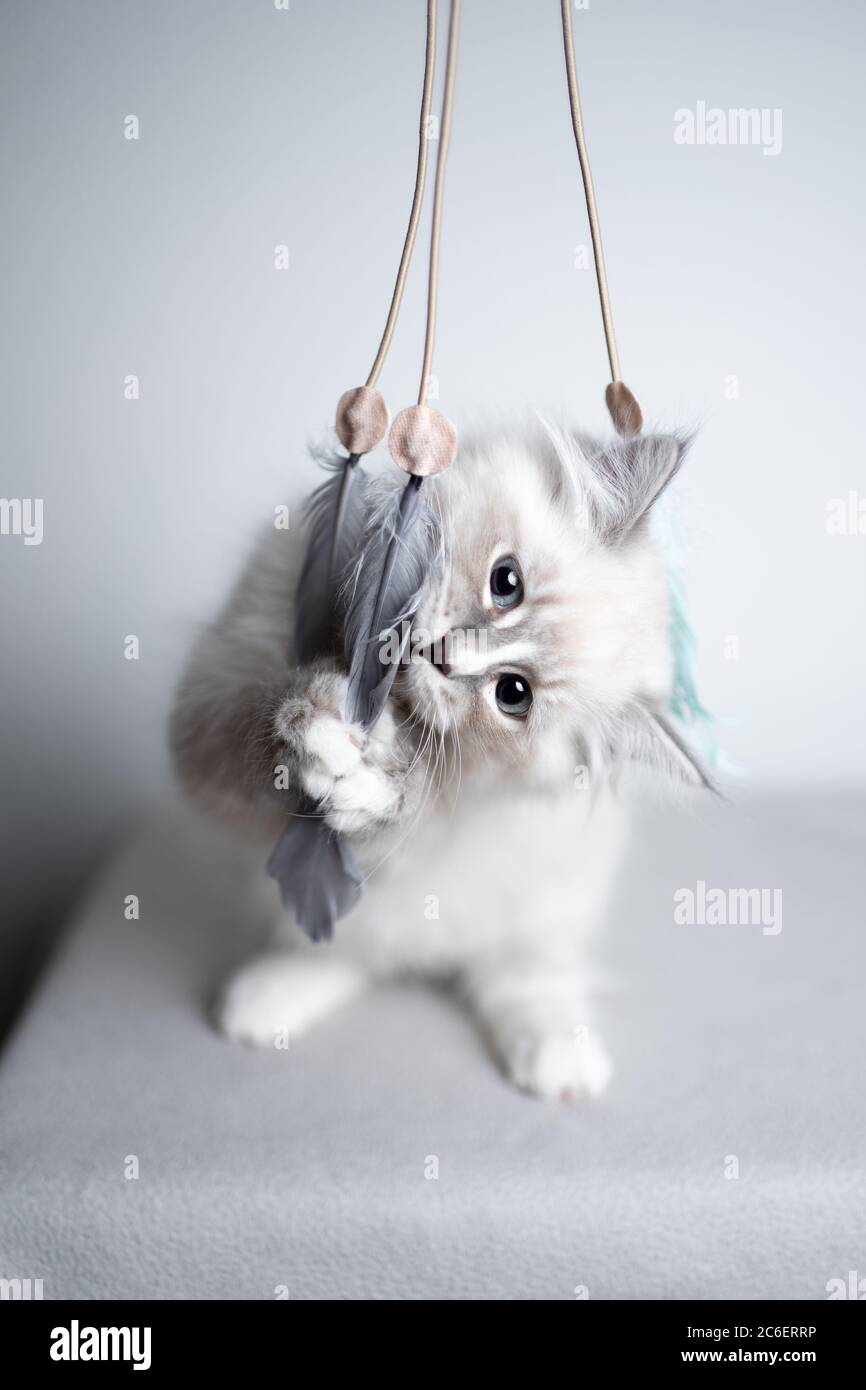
(259, 127)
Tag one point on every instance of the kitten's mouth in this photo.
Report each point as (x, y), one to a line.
(434, 658)
(419, 685)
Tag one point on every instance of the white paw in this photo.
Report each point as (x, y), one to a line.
(362, 798)
(557, 1066)
(279, 996)
(334, 746)
(352, 793)
(352, 776)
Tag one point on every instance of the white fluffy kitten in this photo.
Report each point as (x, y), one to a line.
(489, 855)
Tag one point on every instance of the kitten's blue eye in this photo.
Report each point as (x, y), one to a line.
(506, 584)
(513, 695)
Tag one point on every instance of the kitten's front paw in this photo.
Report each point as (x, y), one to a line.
(281, 993)
(555, 1066)
(351, 775)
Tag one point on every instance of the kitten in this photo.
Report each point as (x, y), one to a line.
(484, 805)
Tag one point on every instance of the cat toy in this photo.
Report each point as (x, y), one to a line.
(317, 874)
(318, 877)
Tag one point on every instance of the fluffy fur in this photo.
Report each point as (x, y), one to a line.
(488, 841)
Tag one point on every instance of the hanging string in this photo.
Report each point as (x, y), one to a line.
(423, 441)
(417, 196)
(438, 190)
(622, 405)
(588, 189)
(362, 415)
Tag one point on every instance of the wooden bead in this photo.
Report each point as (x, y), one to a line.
(422, 441)
(362, 419)
(624, 409)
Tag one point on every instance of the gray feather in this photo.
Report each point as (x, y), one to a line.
(336, 518)
(393, 566)
(318, 877)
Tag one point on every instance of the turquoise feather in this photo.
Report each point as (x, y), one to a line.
(685, 703)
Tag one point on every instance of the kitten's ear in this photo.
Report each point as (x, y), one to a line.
(633, 474)
(617, 482)
(652, 742)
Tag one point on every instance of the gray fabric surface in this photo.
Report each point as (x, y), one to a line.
(306, 1168)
